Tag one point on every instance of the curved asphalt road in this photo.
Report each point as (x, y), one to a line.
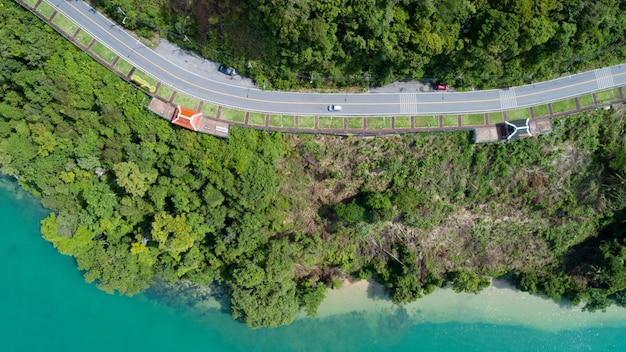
(366, 104)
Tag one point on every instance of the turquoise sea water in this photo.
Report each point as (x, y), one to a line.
(45, 305)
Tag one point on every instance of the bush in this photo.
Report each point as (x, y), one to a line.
(350, 213)
(468, 281)
(379, 207)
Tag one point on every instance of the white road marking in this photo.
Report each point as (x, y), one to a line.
(408, 103)
(508, 100)
(604, 77)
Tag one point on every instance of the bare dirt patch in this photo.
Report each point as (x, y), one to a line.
(404, 87)
(162, 108)
(486, 134)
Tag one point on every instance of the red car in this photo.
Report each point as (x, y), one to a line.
(442, 87)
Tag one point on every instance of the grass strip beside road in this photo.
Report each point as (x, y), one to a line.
(402, 122)
(233, 115)
(496, 117)
(31, 3)
(103, 52)
(607, 95)
(164, 91)
(186, 101)
(450, 121)
(65, 24)
(144, 81)
(286, 121)
(45, 9)
(512, 115)
(256, 118)
(473, 120)
(123, 66)
(330, 122)
(209, 109)
(541, 110)
(563, 106)
(379, 123)
(306, 122)
(355, 123)
(84, 38)
(585, 100)
(426, 121)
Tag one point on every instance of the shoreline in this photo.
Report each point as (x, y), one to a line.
(500, 303)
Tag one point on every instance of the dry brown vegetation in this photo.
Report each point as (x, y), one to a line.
(493, 209)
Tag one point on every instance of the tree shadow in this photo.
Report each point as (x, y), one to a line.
(377, 291)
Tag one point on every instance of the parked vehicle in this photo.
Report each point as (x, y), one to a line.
(442, 87)
(334, 107)
(226, 70)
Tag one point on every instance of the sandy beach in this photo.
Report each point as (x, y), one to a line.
(500, 303)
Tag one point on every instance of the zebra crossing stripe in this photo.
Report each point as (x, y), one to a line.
(408, 103)
(604, 78)
(508, 100)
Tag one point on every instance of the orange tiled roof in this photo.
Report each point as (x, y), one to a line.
(187, 118)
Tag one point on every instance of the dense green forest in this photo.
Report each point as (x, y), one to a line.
(316, 43)
(279, 218)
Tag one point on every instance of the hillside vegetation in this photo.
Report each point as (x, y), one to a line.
(315, 43)
(279, 218)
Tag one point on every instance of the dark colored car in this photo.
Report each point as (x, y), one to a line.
(442, 87)
(226, 70)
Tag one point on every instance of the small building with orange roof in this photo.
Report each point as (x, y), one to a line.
(187, 118)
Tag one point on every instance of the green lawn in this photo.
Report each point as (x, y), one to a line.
(164, 91)
(355, 123)
(426, 121)
(402, 122)
(233, 115)
(541, 110)
(563, 106)
(31, 2)
(519, 114)
(65, 24)
(84, 38)
(607, 95)
(45, 9)
(103, 52)
(209, 109)
(496, 117)
(286, 121)
(186, 101)
(306, 122)
(585, 100)
(378, 123)
(144, 81)
(333, 122)
(473, 120)
(450, 121)
(124, 67)
(256, 118)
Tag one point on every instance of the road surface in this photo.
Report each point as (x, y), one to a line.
(364, 104)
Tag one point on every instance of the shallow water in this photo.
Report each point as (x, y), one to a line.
(45, 305)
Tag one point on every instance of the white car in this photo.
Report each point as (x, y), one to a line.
(334, 107)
